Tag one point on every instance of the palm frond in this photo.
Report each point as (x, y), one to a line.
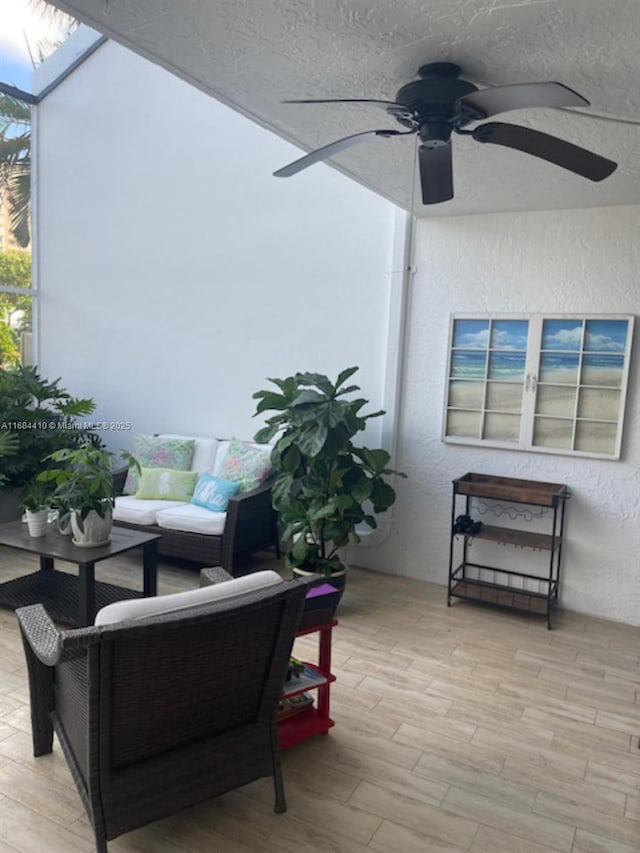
(13, 111)
(51, 13)
(19, 197)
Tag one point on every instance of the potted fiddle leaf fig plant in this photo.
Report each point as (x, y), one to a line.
(326, 487)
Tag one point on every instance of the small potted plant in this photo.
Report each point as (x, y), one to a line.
(326, 487)
(84, 491)
(36, 501)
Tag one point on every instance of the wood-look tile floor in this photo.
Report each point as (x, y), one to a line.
(457, 729)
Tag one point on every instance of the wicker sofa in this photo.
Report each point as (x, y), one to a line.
(193, 534)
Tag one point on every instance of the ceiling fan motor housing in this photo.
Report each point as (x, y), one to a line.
(432, 100)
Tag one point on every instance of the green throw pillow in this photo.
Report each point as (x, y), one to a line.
(166, 484)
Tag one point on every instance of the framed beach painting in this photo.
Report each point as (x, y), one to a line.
(542, 383)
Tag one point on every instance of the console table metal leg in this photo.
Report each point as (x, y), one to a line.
(46, 564)
(87, 603)
(150, 568)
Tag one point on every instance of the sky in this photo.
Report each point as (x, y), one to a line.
(22, 28)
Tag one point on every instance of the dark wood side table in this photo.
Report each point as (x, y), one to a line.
(74, 599)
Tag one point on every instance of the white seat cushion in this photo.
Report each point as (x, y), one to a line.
(192, 519)
(139, 608)
(135, 511)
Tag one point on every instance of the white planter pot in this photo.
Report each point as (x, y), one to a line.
(38, 522)
(96, 530)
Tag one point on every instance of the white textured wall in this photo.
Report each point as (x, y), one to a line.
(176, 273)
(571, 261)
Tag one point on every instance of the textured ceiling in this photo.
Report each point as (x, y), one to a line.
(251, 54)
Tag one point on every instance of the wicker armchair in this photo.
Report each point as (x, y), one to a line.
(156, 714)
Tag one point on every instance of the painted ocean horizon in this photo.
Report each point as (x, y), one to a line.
(560, 368)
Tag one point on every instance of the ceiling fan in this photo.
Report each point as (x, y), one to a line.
(440, 103)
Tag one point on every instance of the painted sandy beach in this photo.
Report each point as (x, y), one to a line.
(558, 397)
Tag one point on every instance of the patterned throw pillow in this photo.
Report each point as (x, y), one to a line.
(166, 484)
(151, 451)
(246, 465)
(213, 493)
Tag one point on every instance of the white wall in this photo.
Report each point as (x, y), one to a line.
(561, 261)
(176, 273)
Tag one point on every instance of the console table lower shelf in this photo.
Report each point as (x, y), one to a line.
(314, 719)
(502, 595)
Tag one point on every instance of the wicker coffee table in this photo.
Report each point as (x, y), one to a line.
(73, 599)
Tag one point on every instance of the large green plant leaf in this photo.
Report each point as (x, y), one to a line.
(382, 496)
(319, 380)
(311, 440)
(269, 401)
(282, 488)
(377, 460)
(345, 374)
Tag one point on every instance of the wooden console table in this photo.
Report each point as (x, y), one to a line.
(508, 588)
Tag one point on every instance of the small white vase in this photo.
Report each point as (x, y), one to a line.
(96, 530)
(38, 522)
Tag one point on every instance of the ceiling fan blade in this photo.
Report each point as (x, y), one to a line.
(350, 101)
(436, 173)
(563, 154)
(333, 148)
(501, 99)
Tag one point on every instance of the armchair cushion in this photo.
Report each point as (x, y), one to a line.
(140, 608)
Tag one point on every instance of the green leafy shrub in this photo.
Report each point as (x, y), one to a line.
(37, 417)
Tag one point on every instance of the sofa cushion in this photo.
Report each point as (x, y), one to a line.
(134, 511)
(152, 451)
(165, 484)
(139, 608)
(204, 451)
(192, 519)
(212, 493)
(245, 464)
